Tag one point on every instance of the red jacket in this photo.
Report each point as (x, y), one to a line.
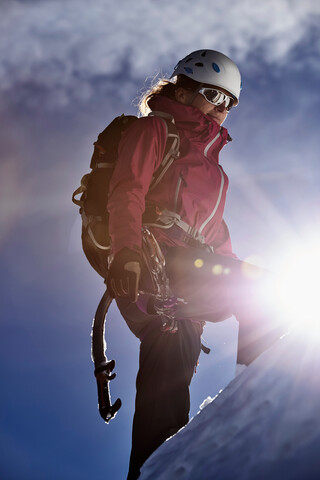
(194, 186)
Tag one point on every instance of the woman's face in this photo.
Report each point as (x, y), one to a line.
(217, 112)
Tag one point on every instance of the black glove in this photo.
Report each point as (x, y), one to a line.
(124, 274)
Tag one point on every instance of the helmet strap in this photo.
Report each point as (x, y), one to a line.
(195, 93)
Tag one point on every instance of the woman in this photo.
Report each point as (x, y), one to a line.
(201, 266)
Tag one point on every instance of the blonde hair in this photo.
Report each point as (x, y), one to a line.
(165, 88)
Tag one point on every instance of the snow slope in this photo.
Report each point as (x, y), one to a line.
(264, 425)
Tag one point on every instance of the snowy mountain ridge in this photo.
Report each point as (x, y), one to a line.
(265, 424)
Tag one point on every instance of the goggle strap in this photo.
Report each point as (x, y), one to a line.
(196, 93)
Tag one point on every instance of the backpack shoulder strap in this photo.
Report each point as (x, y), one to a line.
(172, 146)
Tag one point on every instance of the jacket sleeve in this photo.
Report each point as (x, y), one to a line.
(222, 242)
(140, 153)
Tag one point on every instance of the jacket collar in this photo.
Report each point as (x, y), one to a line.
(196, 126)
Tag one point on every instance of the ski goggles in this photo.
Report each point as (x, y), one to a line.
(216, 97)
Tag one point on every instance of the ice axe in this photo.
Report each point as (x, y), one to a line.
(103, 366)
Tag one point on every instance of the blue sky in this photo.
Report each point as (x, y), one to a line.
(66, 70)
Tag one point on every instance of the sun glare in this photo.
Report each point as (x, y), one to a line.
(297, 287)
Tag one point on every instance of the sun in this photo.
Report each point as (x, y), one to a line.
(298, 286)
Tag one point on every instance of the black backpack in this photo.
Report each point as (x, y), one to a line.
(94, 187)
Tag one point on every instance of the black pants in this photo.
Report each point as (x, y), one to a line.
(166, 365)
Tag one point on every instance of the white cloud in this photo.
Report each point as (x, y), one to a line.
(61, 46)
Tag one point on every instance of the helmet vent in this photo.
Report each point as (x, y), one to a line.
(188, 69)
(203, 54)
(199, 64)
(189, 59)
(216, 67)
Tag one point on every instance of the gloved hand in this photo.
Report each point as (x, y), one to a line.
(124, 274)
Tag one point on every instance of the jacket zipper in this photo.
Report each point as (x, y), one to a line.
(181, 179)
(205, 223)
(212, 142)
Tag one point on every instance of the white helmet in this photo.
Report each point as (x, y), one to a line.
(213, 68)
